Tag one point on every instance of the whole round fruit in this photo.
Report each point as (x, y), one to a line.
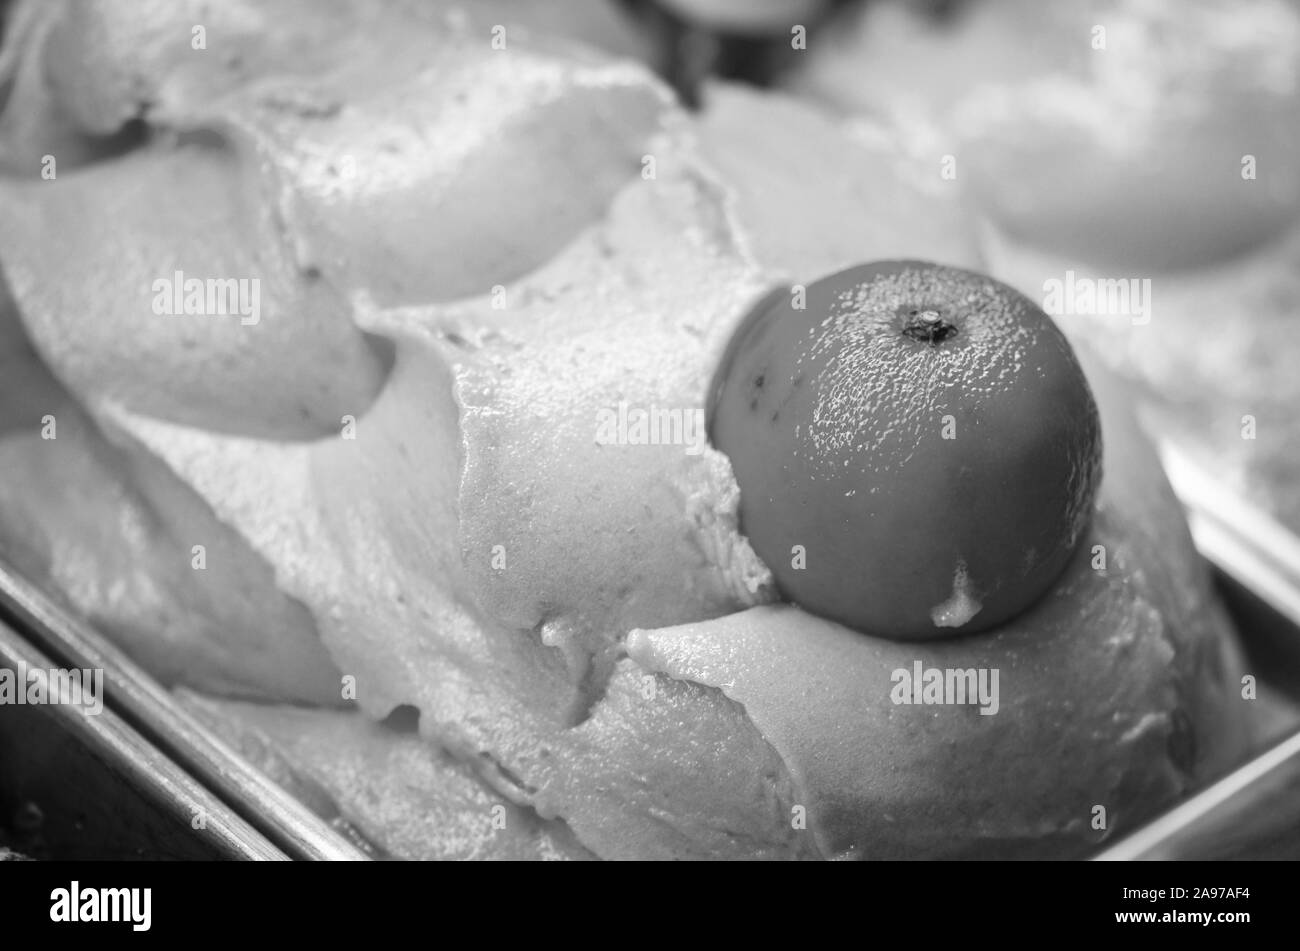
(917, 448)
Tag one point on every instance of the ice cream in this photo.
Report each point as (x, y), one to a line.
(408, 439)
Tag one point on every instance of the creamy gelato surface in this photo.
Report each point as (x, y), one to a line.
(494, 286)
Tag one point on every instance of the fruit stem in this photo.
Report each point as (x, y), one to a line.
(928, 326)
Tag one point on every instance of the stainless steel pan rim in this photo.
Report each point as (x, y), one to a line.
(144, 767)
(151, 709)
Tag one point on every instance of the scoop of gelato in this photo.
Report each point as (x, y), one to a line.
(480, 472)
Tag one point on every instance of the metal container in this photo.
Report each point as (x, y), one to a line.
(141, 766)
(77, 784)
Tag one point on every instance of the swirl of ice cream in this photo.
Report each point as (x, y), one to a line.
(460, 434)
(1144, 134)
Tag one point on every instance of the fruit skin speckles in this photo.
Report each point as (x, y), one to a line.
(926, 436)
